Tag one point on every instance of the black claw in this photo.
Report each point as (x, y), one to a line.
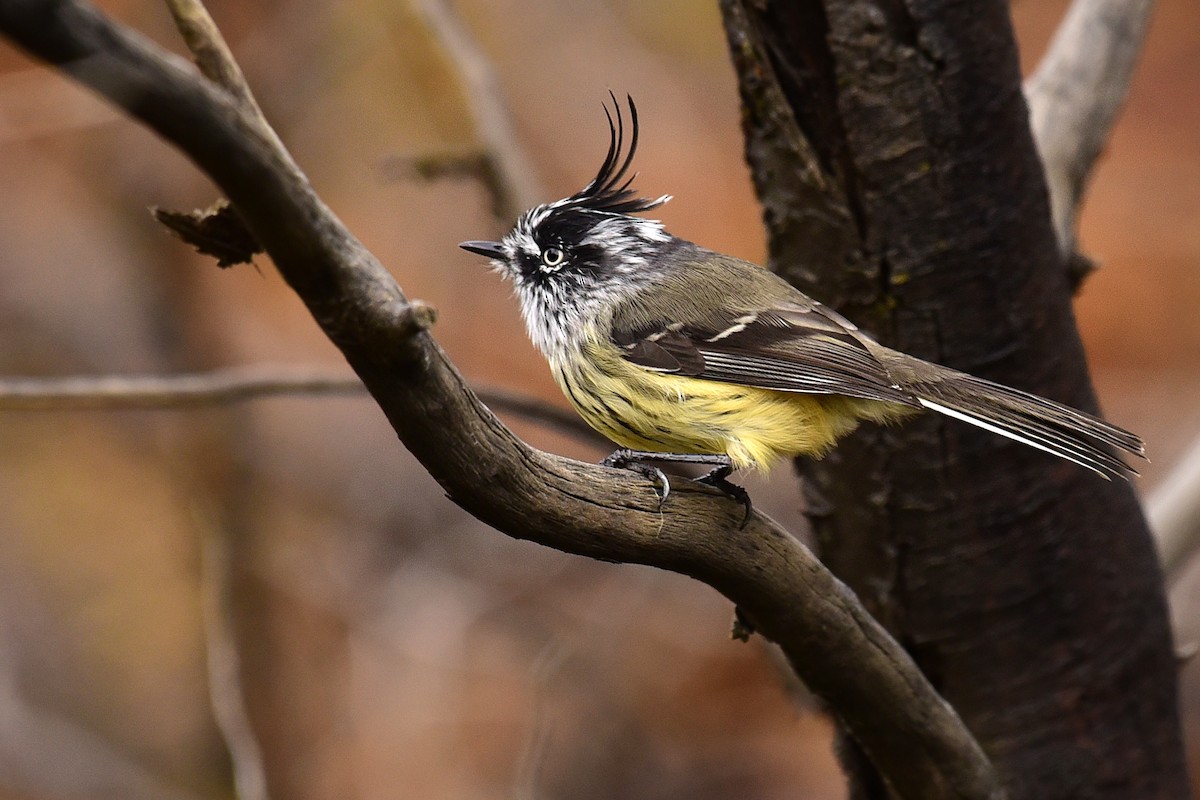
(630, 460)
(662, 486)
(717, 479)
(663, 483)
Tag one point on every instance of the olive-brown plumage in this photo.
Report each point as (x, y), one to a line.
(684, 354)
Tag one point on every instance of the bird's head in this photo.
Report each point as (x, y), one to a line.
(568, 257)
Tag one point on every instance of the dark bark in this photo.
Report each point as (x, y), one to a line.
(1027, 589)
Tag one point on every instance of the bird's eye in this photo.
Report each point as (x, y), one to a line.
(553, 256)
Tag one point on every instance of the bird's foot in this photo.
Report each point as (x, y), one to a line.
(637, 460)
(634, 461)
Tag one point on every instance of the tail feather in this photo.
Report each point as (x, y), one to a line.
(1035, 421)
(1064, 415)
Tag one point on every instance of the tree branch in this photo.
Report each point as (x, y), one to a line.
(226, 694)
(212, 54)
(510, 175)
(1174, 512)
(237, 384)
(1076, 93)
(229, 385)
(915, 738)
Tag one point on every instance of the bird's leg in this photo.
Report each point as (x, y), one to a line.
(636, 460)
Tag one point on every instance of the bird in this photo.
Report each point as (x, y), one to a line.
(680, 354)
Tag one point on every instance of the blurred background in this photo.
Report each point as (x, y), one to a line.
(389, 645)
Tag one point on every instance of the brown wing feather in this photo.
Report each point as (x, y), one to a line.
(790, 344)
(728, 320)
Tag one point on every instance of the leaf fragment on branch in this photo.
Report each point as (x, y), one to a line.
(216, 231)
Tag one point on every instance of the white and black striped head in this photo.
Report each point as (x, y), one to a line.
(579, 254)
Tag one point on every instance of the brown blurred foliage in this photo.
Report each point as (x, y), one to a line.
(393, 646)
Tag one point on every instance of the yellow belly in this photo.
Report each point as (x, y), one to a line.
(647, 410)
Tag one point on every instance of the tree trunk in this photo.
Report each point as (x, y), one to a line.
(890, 145)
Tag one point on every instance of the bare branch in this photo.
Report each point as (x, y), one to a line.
(213, 56)
(171, 391)
(1174, 513)
(224, 670)
(237, 384)
(915, 739)
(1074, 99)
(1076, 93)
(510, 174)
(479, 165)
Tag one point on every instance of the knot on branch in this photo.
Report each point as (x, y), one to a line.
(414, 316)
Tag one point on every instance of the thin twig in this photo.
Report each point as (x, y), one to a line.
(215, 61)
(1076, 93)
(512, 173)
(230, 385)
(213, 56)
(224, 671)
(240, 384)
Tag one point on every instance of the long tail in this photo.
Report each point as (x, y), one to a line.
(1061, 430)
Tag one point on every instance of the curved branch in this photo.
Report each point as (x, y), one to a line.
(917, 741)
(1076, 93)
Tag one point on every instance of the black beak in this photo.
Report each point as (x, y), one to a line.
(489, 249)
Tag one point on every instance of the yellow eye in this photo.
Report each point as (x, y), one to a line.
(553, 256)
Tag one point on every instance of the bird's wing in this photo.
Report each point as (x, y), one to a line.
(727, 320)
(791, 344)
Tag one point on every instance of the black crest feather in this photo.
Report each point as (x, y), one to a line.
(610, 191)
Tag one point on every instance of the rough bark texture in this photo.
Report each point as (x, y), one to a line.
(1026, 588)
